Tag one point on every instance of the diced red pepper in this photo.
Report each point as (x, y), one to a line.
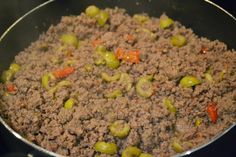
(10, 88)
(97, 42)
(131, 56)
(62, 73)
(212, 112)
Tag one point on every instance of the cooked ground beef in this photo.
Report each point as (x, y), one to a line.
(41, 117)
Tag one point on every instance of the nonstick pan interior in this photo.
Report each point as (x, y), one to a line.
(204, 18)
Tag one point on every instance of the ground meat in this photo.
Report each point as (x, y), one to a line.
(41, 117)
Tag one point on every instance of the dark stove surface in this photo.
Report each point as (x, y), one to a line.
(223, 147)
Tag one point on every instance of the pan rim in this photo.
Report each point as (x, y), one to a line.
(41, 149)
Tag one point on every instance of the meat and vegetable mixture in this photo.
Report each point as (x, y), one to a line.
(107, 84)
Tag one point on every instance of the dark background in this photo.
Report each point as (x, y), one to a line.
(11, 10)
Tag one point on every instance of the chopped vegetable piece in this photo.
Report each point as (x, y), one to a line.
(101, 49)
(178, 40)
(129, 37)
(7, 75)
(111, 60)
(70, 39)
(105, 147)
(69, 103)
(208, 77)
(131, 152)
(59, 85)
(166, 22)
(62, 73)
(222, 74)
(14, 67)
(102, 18)
(100, 61)
(114, 94)
(153, 35)
(144, 88)
(212, 112)
(119, 129)
(146, 155)
(108, 78)
(189, 81)
(96, 43)
(177, 147)
(88, 67)
(169, 105)
(11, 88)
(92, 11)
(198, 122)
(131, 56)
(125, 79)
(141, 18)
(45, 81)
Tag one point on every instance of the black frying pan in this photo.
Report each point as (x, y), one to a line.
(204, 17)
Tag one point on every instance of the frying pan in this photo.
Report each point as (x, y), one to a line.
(204, 17)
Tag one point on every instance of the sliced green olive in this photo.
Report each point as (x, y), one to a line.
(105, 147)
(177, 147)
(7, 75)
(92, 11)
(109, 78)
(222, 74)
(125, 79)
(69, 103)
(141, 18)
(119, 129)
(99, 61)
(145, 155)
(61, 84)
(189, 81)
(114, 94)
(169, 105)
(102, 18)
(166, 22)
(111, 60)
(178, 40)
(131, 152)
(198, 122)
(14, 67)
(45, 80)
(88, 67)
(144, 87)
(70, 39)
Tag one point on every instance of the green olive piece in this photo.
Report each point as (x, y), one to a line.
(111, 60)
(69, 39)
(177, 147)
(88, 67)
(102, 18)
(144, 88)
(141, 18)
(116, 93)
(189, 81)
(45, 80)
(61, 84)
(119, 129)
(125, 79)
(198, 122)
(14, 67)
(166, 22)
(109, 78)
(69, 103)
(105, 147)
(7, 75)
(169, 105)
(145, 155)
(131, 152)
(178, 40)
(92, 11)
